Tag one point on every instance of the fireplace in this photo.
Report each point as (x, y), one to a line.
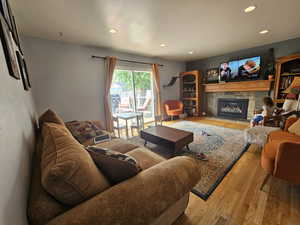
(233, 108)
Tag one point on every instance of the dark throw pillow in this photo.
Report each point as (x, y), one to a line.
(116, 166)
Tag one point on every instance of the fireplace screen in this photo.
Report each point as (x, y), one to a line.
(233, 108)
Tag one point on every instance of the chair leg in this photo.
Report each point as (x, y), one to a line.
(119, 132)
(131, 131)
(265, 181)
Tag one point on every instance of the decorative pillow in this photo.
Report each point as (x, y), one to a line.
(84, 131)
(295, 128)
(116, 166)
(50, 117)
(289, 105)
(68, 172)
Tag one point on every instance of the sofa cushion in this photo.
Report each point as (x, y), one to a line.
(68, 172)
(50, 117)
(42, 207)
(118, 145)
(283, 135)
(145, 157)
(115, 165)
(85, 131)
(295, 128)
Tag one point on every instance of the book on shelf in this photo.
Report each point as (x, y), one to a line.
(285, 82)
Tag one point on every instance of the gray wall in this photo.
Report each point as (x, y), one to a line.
(16, 146)
(66, 79)
(283, 48)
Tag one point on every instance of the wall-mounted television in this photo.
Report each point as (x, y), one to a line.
(243, 69)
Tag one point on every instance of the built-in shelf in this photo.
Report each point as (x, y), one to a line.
(290, 74)
(189, 99)
(190, 92)
(255, 85)
(187, 82)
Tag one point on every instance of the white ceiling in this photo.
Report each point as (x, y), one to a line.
(208, 27)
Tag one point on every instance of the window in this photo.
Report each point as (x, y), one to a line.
(132, 91)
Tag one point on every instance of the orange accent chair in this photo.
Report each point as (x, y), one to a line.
(281, 155)
(173, 108)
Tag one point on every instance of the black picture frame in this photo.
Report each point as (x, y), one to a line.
(23, 71)
(15, 33)
(6, 12)
(212, 75)
(9, 48)
(27, 74)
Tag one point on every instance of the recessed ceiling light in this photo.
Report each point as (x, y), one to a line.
(191, 52)
(264, 32)
(250, 8)
(113, 31)
(162, 45)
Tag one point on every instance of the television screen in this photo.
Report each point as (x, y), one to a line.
(225, 72)
(240, 69)
(234, 66)
(249, 68)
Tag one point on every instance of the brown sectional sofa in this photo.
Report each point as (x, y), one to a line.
(156, 196)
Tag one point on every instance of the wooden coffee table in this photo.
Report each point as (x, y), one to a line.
(168, 137)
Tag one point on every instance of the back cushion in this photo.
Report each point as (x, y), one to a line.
(68, 172)
(50, 117)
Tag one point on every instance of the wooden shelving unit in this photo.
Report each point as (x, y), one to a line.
(190, 92)
(285, 75)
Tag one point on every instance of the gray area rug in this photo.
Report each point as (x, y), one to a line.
(223, 147)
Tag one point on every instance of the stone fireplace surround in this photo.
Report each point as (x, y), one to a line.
(255, 101)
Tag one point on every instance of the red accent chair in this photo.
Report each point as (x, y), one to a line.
(173, 108)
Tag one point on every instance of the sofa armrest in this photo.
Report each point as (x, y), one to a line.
(167, 107)
(181, 106)
(287, 164)
(139, 200)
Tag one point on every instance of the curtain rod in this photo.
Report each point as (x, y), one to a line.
(125, 60)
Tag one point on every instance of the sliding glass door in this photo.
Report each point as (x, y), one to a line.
(132, 91)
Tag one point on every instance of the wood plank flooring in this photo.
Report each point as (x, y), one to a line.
(238, 199)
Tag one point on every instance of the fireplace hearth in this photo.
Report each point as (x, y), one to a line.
(233, 108)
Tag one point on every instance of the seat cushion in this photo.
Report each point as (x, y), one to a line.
(116, 166)
(50, 117)
(175, 112)
(145, 157)
(283, 135)
(118, 145)
(68, 172)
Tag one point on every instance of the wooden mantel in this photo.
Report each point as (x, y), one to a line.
(255, 85)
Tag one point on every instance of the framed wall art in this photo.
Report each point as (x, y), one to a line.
(212, 75)
(9, 48)
(23, 71)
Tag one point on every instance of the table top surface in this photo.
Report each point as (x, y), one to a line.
(129, 115)
(167, 133)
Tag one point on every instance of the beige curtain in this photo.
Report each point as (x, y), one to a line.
(156, 78)
(110, 64)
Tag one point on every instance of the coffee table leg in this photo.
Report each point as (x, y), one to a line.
(188, 148)
(127, 135)
(145, 143)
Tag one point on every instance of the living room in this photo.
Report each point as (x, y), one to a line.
(150, 112)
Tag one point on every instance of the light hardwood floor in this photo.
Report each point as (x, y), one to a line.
(238, 199)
